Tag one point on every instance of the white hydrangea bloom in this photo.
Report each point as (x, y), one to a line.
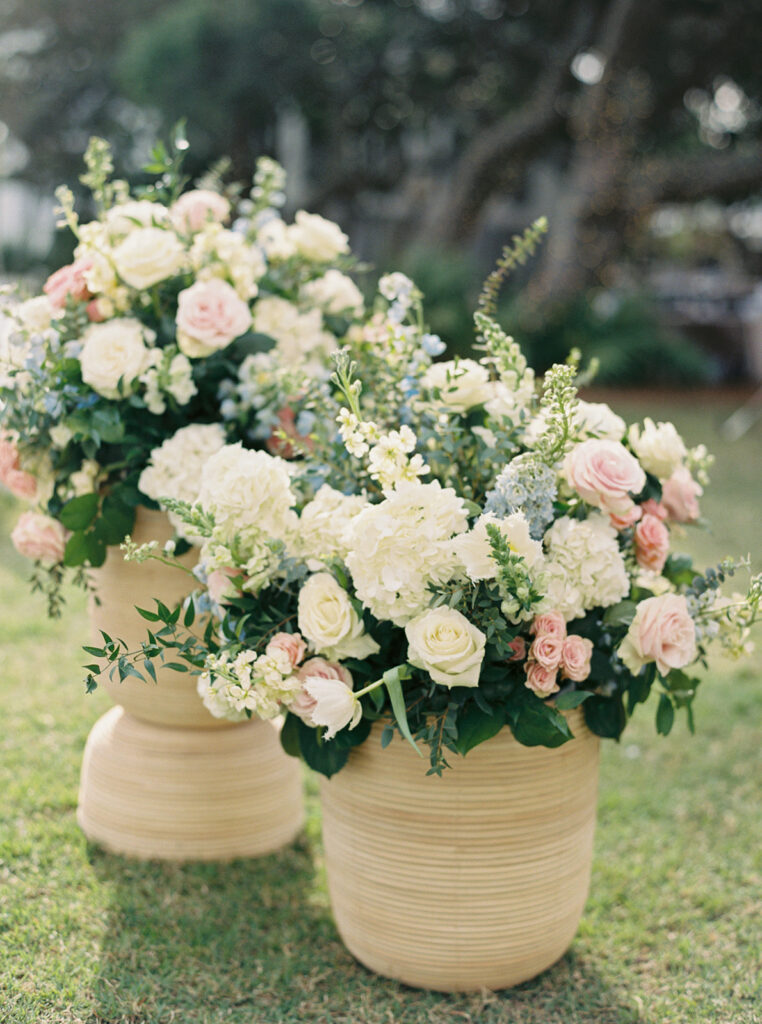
(324, 522)
(400, 546)
(474, 550)
(584, 566)
(299, 336)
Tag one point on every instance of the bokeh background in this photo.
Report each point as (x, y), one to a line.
(433, 130)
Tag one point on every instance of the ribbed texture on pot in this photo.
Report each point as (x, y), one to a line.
(149, 791)
(474, 880)
(120, 587)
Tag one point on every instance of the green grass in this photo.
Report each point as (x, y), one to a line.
(671, 932)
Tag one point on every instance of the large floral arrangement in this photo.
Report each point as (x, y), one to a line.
(452, 551)
(181, 307)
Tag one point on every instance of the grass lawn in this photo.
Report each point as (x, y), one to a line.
(673, 927)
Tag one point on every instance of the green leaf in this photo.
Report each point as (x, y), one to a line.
(108, 423)
(75, 552)
(78, 513)
(393, 686)
(540, 725)
(149, 616)
(476, 726)
(96, 549)
(190, 614)
(620, 614)
(572, 699)
(289, 735)
(321, 755)
(665, 715)
(605, 716)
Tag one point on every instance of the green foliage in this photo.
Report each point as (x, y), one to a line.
(514, 255)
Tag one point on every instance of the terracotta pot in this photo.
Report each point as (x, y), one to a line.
(155, 792)
(119, 587)
(473, 880)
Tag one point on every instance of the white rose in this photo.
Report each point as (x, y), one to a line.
(596, 419)
(275, 240)
(317, 238)
(659, 447)
(475, 551)
(35, 314)
(113, 356)
(447, 646)
(329, 621)
(462, 383)
(334, 292)
(136, 213)
(147, 256)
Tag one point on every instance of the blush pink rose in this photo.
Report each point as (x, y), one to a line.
(219, 586)
(546, 650)
(95, 312)
(575, 658)
(662, 631)
(19, 483)
(651, 543)
(277, 445)
(519, 647)
(541, 681)
(316, 668)
(604, 474)
(69, 280)
(291, 644)
(679, 494)
(654, 508)
(199, 206)
(210, 314)
(549, 624)
(627, 520)
(40, 538)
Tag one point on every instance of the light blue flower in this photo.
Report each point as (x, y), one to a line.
(432, 345)
(525, 485)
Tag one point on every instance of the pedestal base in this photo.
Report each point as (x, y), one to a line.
(158, 792)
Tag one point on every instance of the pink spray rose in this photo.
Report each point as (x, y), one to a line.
(546, 650)
(19, 483)
(549, 624)
(541, 681)
(575, 658)
(662, 631)
(291, 644)
(40, 538)
(519, 647)
(210, 314)
(195, 208)
(679, 495)
(629, 518)
(654, 508)
(604, 474)
(651, 543)
(219, 586)
(69, 280)
(316, 668)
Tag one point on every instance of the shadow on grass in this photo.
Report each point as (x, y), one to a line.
(253, 941)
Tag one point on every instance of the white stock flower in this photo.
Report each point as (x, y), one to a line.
(462, 383)
(474, 550)
(335, 704)
(147, 256)
(35, 314)
(217, 252)
(113, 356)
(584, 566)
(329, 621)
(447, 646)
(659, 447)
(316, 238)
(244, 488)
(297, 335)
(334, 292)
(401, 545)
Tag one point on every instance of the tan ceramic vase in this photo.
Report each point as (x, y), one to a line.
(473, 880)
(161, 777)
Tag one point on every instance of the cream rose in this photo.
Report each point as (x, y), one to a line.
(147, 256)
(658, 446)
(604, 474)
(334, 292)
(317, 238)
(447, 646)
(662, 631)
(40, 538)
(209, 316)
(113, 356)
(462, 383)
(329, 621)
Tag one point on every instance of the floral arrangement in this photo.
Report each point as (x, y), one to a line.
(450, 552)
(181, 307)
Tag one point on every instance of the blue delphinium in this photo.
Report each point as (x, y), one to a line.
(525, 485)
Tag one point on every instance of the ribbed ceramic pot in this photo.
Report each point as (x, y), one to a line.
(477, 879)
(161, 777)
(118, 588)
